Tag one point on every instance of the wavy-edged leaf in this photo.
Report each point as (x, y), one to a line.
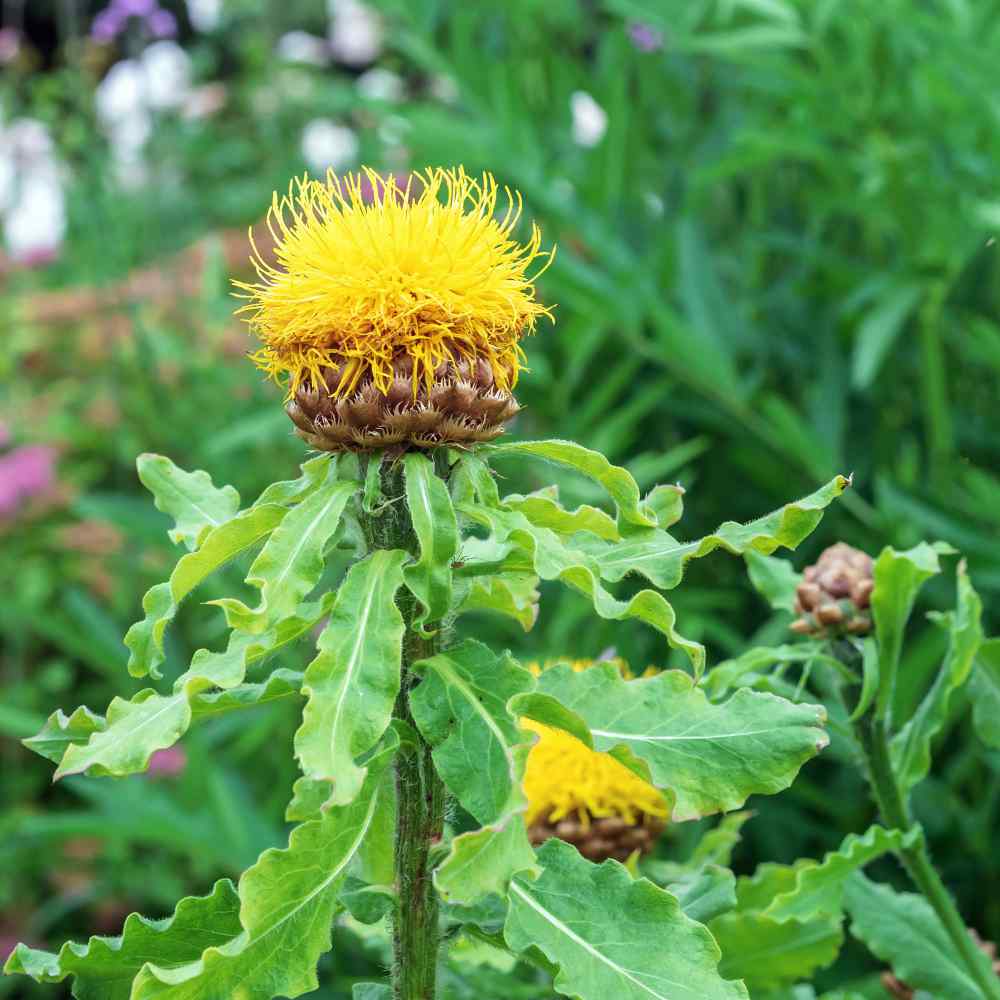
(61, 730)
(104, 967)
(818, 891)
(279, 686)
(616, 481)
(553, 559)
(460, 707)
(512, 594)
(290, 491)
(705, 893)
(291, 562)
(287, 903)
(484, 861)
(123, 743)
(911, 746)
(546, 512)
(898, 579)
(145, 638)
(612, 936)
(985, 688)
(706, 757)
(436, 528)
(190, 498)
(353, 682)
(903, 930)
(660, 558)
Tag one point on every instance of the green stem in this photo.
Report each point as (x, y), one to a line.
(874, 738)
(419, 791)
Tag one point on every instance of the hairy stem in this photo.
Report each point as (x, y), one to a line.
(419, 791)
(894, 809)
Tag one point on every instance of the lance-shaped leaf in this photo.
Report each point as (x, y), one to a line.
(460, 707)
(553, 559)
(104, 967)
(612, 936)
(353, 682)
(190, 498)
(818, 890)
(706, 757)
(898, 579)
(436, 528)
(984, 686)
(903, 930)
(911, 746)
(145, 638)
(660, 558)
(616, 481)
(133, 730)
(287, 903)
(290, 491)
(291, 562)
(774, 579)
(512, 594)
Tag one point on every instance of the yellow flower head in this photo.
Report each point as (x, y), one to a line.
(564, 776)
(369, 272)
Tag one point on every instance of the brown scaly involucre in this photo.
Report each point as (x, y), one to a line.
(834, 596)
(462, 406)
(604, 837)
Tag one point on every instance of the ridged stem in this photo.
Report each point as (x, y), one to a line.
(419, 791)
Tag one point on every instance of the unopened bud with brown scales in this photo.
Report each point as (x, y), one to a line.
(834, 596)
(393, 313)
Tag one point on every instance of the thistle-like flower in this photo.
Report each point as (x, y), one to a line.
(835, 593)
(394, 312)
(588, 798)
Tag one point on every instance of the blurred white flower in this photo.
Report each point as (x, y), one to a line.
(121, 93)
(205, 101)
(300, 46)
(31, 192)
(590, 120)
(445, 89)
(167, 70)
(325, 144)
(379, 84)
(204, 15)
(355, 32)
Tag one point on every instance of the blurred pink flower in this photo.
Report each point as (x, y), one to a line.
(25, 473)
(167, 763)
(645, 37)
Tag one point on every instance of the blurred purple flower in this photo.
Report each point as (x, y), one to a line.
(645, 37)
(10, 45)
(4, 435)
(24, 473)
(167, 763)
(162, 24)
(107, 26)
(134, 8)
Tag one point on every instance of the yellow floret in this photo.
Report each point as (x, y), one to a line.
(368, 272)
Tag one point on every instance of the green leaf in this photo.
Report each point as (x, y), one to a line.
(984, 687)
(898, 579)
(705, 893)
(436, 528)
(371, 991)
(123, 743)
(707, 757)
(870, 678)
(291, 562)
(661, 558)
(61, 730)
(353, 682)
(547, 513)
(512, 594)
(763, 952)
(611, 936)
(103, 969)
(460, 707)
(910, 749)
(618, 483)
(903, 930)
(819, 887)
(748, 668)
(774, 579)
(190, 498)
(666, 501)
(368, 904)
(291, 491)
(880, 329)
(484, 861)
(145, 638)
(287, 903)
(552, 559)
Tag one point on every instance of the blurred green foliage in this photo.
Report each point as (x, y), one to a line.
(778, 263)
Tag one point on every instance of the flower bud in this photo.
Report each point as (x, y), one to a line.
(835, 594)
